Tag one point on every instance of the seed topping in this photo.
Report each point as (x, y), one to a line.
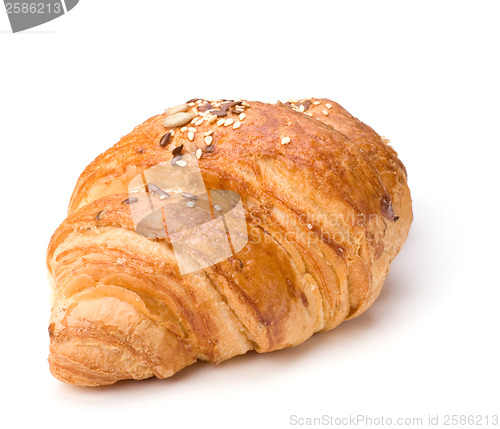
(165, 140)
(153, 187)
(176, 109)
(195, 113)
(178, 161)
(99, 215)
(130, 200)
(222, 112)
(178, 119)
(205, 107)
(177, 150)
(189, 196)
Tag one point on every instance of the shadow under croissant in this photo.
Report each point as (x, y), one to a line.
(254, 366)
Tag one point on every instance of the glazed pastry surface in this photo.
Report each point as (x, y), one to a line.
(326, 208)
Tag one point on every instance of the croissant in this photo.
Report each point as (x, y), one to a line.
(219, 227)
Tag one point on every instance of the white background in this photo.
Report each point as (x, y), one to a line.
(423, 74)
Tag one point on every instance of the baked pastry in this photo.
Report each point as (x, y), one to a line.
(325, 207)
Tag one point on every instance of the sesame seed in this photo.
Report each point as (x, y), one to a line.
(236, 125)
(191, 104)
(242, 116)
(174, 160)
(316, 102)
(301, 108)
(192, 129)
(220, 122)
(194, 119)
(325, 112)
(217, 207)
(212, 119)
(183, 129)
(285, 140)
(181, 163)
(209, 133)
(199, 122)
(244, 103)
(328, 106)
(309, 226)
(190, 204)
(199, 152)
(228, 122)
(191, 136)
(208, 140)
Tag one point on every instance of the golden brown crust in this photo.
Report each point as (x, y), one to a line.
(327, 208)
